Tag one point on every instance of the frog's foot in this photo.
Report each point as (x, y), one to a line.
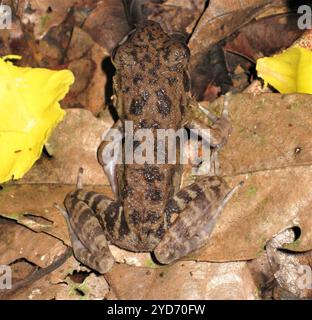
(108, 160)
(215, 138)
(220, 128)
(80, 179)
(89, 242)
(198, 205)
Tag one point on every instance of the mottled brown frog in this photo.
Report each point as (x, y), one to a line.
(152, 89)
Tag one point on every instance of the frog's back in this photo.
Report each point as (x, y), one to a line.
(151, 84)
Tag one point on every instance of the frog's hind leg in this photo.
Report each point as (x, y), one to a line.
(198, 206)
(89, 242)
(88, 239)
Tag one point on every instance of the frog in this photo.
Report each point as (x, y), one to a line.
(149, 212)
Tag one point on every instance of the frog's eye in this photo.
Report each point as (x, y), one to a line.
(176, 53)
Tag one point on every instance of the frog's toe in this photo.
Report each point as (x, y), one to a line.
(103, 263)
(167, 252)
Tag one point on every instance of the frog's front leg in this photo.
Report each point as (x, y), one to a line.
(219, 131)
(199, 117)
(198, 206)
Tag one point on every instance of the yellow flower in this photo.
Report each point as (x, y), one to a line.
(29, 111)
(288, 72)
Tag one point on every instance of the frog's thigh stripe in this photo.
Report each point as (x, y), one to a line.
(177, 240)
(88, 240)
(97, 202)
(186, 195)
(85, 224)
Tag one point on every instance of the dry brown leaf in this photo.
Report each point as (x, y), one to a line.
(25, 203)
(271, 131)
(183, 280)
(44, 14)
(58, 286)
(107, 24)
(175, 15)
(292, 271)
(220, 20)
(73, 144)
(18, 242)
(281, 274)
(85, 60)
(269, 149)
(34, 207)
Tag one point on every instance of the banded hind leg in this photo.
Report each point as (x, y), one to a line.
(198, 207)
(88, 239)
(87, 233)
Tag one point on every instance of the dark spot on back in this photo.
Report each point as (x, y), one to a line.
(150, 36)
(152, 81)
(152, 72)
(157, 63)
(152, 173)
(137, 78)
(142, 65)
(147, 58)
(136, 106)
(166, 53)
(153, 194)
(163, 103)
(172, 81)
(126, 191)
(134, 217)
(152, 217)
(143, 124)
(146, 231)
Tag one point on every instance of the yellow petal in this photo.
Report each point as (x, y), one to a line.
(288, 72)
(29, 111)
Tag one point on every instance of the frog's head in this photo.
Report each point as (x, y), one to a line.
(149, 39)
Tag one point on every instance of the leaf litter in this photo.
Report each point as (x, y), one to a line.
(253, 252)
